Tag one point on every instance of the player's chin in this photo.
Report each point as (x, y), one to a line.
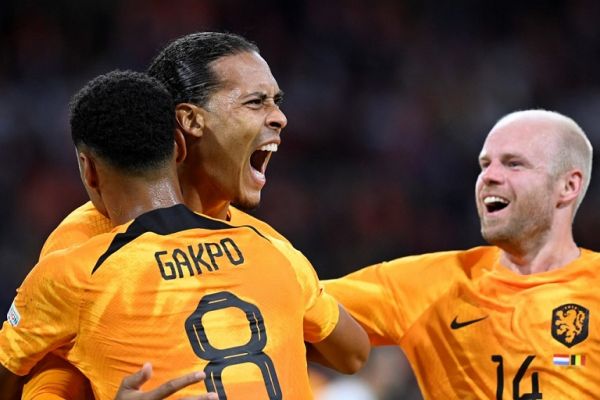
(494, 236)
(247, 201)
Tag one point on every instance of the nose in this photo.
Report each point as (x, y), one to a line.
(276, 119)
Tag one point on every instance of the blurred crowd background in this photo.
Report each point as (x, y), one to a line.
(388, 104)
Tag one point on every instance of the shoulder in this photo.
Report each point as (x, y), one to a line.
(589, 255)
(58, 272)
(80, 225)
(587, 264)
(448, 261)
(238, 217)
(77, 260)
(431, 268)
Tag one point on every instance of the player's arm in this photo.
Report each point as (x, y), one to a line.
(55, 378)
(42, 317)
(10, 384)
(346, 349)
(130, 388)
(340, 341)
(368, 298)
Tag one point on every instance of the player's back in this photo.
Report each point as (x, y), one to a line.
(223, 299)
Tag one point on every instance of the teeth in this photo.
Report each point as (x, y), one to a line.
(494, 199)
(269, 147)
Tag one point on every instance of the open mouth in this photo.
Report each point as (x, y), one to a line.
(260, 158)
(495, 203)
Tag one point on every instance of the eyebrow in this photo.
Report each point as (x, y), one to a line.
(503, 157)
(278, 98)
(263, 95)
(512, 155)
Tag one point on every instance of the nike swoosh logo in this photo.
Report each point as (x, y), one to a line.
(457, 325)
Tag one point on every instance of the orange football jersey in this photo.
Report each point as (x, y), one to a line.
(53, 376)
(182, 290)
(472, 329)
(86, 222)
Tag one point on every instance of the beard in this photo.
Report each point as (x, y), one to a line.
(528, 222)
(518, 231)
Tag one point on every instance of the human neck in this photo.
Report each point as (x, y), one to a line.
(129, 197)
(206, 203)
(549, 256)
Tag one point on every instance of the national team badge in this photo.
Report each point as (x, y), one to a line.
(570, 324)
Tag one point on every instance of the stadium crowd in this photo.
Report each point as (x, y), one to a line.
(387, 104)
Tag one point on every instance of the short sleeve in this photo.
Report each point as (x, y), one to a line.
(387, 299)
(42, 317)
(321, 311)
(367, 297)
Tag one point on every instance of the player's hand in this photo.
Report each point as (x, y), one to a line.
(130, 386)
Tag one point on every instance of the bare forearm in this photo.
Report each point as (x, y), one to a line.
(313, 355)
(345, 350)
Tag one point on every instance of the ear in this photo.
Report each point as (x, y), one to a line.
(180, 148)
(570, 187)
(190, 119)
(89, 172)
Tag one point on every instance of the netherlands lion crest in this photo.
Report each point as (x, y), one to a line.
(570, 324)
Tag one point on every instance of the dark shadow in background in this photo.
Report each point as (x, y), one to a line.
(388, 104)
